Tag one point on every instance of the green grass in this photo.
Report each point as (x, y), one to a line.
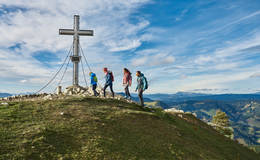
(93, 128)
(256, 148)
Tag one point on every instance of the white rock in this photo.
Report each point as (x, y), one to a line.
(194, 114)
(47, 97)
(82, 91)
(174, 110)
(180, 115)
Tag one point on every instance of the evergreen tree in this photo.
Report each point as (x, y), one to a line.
(221, 121)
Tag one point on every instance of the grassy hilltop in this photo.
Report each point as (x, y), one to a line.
(90, 128)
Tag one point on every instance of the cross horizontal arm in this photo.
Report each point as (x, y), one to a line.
(66, 32)
(80, 32)
(86, 32)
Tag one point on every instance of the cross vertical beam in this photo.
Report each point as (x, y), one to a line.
(75, 59)
(76, 32)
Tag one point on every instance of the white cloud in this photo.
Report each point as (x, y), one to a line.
(17, 66)
(255, 75)
(180, 17)
(153, 60)
(231, 55)
(202, 59)
(139, 61)
(123, 45)
(128, 39)
(185, 62)
(162, 60)
(214, 81)
(35, 24)
(226, 66)
(23, 81)
(256, 13)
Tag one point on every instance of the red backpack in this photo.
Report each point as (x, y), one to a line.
(112, 76)
(130, 79)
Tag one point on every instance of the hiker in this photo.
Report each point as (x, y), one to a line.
(93, 82)
(127, 82)
(109, 81)
(142, 85)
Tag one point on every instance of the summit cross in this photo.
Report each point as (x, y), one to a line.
(76, 32)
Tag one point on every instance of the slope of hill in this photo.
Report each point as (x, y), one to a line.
(135, 98)
(90, 128)
(241, 108)
(244, 116)
(156, 104)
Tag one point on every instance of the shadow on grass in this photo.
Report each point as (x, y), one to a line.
(51, 142)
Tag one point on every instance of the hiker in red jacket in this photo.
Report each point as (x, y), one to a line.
(127, 82)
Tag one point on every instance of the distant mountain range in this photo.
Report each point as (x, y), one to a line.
(179, 96)
(11, 94)
(187, 96)
(5, 95)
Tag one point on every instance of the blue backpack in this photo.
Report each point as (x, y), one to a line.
(145, 83)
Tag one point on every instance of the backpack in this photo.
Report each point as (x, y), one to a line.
(130, 79)
(95, 79)
(146, 83)
(112, 76)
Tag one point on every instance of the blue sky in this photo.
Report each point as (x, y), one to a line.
(209, 46)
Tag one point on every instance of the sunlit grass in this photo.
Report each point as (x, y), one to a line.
(90, 128)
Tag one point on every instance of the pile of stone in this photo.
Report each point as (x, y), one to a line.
(87, 91)
(74, 90)
(178, 112)
(83, 91)
(24, 97)
(174, 110)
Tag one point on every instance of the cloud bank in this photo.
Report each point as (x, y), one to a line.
(207, 46)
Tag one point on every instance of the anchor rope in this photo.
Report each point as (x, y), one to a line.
(87, 63)
(84, 75)
(85, 58)
(55, 75)
(63, 74)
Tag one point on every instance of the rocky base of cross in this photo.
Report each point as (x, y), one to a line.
(86, 91)
(74, 90)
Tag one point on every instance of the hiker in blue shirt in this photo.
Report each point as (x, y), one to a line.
(93, 82)
(109, 81)
(142, 85)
